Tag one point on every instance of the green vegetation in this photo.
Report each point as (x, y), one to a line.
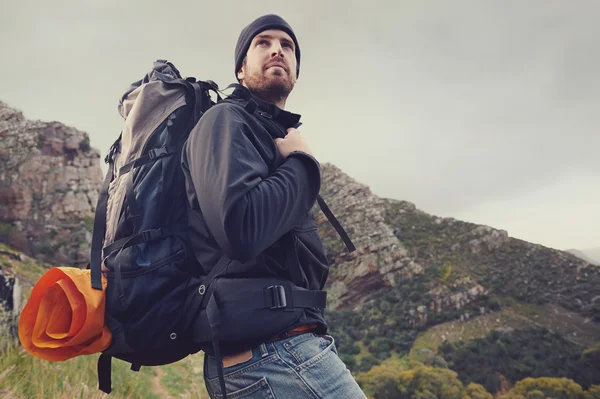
(23, 376)
(7, 230)
(185, 377)
(28, 269)
(41, 140)
(84, 145)
(513, 268)
(89, 222)
(555, 388)
(381, 381)
(531, 352)
(391, 322)
(392, 381)
(43, 248)
(400, 379)
(512, 316)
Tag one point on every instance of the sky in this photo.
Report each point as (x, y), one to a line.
(485, 111)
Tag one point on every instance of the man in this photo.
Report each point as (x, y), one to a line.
(252, 182)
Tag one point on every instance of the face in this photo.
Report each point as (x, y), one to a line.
(270, 65)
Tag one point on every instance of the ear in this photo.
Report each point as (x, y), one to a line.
(241, 73)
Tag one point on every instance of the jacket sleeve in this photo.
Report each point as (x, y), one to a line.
(245, 208)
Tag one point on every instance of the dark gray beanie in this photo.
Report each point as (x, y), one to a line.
(261, 24)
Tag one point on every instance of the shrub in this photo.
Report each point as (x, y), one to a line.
(545, 387)
(367, 363)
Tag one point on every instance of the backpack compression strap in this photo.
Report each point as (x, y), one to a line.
(99, 231)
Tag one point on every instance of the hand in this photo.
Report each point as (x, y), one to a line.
(294, 141)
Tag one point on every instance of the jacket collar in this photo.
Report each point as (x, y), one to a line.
(285, 118)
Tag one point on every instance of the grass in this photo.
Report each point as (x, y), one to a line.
(24, 376)
(569, 324)
(364, 351)
(515, 315)
(28, 270)
(185, 378)
(456, 331)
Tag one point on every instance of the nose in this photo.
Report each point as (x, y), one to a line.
(276, 49)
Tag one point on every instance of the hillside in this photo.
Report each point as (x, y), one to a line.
(589, 255)
(417, 280)
(461, 263)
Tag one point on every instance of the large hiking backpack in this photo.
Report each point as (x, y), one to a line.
(141, 219)
(160, 307)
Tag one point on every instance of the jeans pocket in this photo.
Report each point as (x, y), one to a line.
(306, 349)
(258, 390)
(211, 371)
(236, 372)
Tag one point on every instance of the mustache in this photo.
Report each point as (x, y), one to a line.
(277, 61)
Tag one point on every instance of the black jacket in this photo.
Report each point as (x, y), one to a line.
(250, 203)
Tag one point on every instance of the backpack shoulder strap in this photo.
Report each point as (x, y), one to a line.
(336, 225)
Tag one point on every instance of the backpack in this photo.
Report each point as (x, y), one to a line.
(160, 305)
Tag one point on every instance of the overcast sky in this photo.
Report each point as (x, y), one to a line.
(486, 111)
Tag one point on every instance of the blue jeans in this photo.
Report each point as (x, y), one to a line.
(300, 367)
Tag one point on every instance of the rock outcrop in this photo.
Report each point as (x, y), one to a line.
(49, 183)
(379, 260)
(459, 263)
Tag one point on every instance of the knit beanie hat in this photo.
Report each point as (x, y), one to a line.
(261, 24)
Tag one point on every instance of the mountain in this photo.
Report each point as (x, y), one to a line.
(49, 183)
(591, 255)
(462, 263)
(418, 285)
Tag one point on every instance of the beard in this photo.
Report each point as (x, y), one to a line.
(273, 86)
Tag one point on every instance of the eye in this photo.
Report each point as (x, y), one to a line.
(288, 45)
(262, 42)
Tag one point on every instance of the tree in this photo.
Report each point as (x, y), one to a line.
(546, 387)
(382, 381)
(367, 362)
(391, 380)
(476, 391)
(593, 392)
(429, 383)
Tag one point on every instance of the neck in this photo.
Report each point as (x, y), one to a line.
(280, 103)
(270, 96)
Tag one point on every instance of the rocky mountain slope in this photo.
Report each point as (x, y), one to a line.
(417, 281)
(461, 262)
(49, 182)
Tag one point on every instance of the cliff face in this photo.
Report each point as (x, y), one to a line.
(49, 183)
(427, 269)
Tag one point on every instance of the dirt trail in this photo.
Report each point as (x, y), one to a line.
(157, 387)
